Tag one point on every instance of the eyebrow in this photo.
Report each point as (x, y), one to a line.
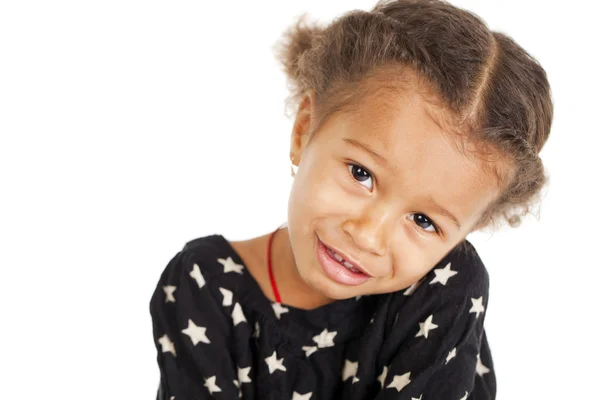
(445, 212)
(379, 158)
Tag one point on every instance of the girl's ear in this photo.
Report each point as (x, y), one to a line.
(303, 124)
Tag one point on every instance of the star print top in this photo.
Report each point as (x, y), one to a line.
(219, 337)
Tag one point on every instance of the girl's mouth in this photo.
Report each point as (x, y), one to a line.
(339, 259)
(337, 268)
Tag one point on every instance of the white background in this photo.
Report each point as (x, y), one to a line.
(130, 127)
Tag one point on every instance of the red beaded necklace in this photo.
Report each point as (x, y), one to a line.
(273, 284)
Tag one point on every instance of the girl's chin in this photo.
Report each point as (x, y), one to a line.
(332, 290)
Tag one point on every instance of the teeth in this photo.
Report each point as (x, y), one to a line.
(342, 261)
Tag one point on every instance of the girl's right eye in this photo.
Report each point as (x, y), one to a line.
(361, 175)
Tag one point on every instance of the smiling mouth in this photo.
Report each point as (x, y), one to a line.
(338, 268)
(340, 259)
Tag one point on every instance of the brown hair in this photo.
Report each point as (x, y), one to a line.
(497, 94)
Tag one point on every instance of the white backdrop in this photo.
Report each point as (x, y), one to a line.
(130, 127)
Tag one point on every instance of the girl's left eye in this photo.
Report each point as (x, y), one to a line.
(423, 219)
(361, 175)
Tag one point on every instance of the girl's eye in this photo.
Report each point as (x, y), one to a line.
(424, 222)
(361, 175)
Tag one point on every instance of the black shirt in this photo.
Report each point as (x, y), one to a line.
(218, 336)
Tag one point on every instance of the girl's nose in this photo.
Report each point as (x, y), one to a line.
(369, 231)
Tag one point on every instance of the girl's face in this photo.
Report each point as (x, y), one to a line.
(373, 185)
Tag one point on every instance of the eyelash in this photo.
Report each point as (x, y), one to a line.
(435, 226)
(353, 179)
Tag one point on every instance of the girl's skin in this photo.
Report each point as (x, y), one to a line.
(385, 222)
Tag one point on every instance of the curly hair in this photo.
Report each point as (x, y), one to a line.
(496, 94)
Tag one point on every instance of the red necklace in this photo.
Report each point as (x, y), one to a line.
(273, 284)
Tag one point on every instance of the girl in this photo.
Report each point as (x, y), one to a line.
(414, 126)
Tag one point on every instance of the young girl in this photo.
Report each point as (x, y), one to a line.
(414, 126)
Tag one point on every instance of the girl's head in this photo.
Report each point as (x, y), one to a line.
(414, 126)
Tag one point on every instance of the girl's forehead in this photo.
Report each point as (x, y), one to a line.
(398, 119)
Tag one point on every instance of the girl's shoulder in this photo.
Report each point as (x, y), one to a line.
(459, 283)
(461, 271)
(433, 332)
(205, 259)
(208, 246)
(471, 274)
(466, 268)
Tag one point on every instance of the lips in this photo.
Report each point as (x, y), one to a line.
(343, 260)
(338, 268)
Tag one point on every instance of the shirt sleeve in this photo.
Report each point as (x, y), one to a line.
(192, 334)
(437, 348)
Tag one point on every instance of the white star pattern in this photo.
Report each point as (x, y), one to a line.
(480, 368)
(325, 339)
(400, 381)
(298, 396)
(196, 333)
(243, 375)
(169, 293)
(442, 275)
(238, 314)
(426, 326)
(350, 369)
(451, 355)
(167, 345)
(279, 309)
(230, 266)
(477, 306)
(309, 350)
(237, 385)
(274, 364)
(227, 296)
(211, 384)
(197, 275)
(382, 377)
(256, 333)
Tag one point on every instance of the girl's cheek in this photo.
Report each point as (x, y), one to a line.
(411, 254)
(329, 187)
(410, 232)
